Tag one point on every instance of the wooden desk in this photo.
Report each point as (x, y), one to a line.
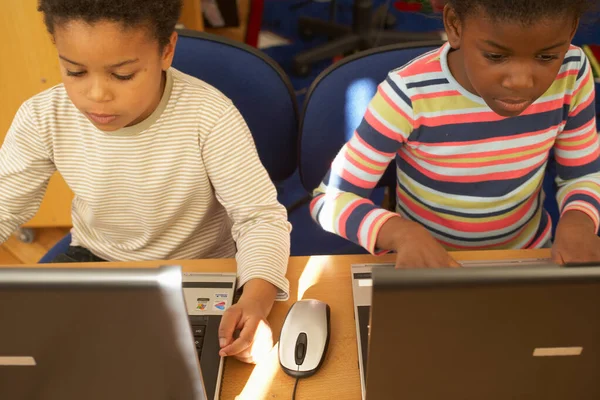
(325, 278)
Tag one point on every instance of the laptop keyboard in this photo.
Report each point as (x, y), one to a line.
(205, 329)
(364, 313)
(199, 324)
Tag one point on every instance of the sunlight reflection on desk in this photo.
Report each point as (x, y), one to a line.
(311, 274)
(261, 379)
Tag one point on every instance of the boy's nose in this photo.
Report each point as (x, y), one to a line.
(98, 92)
(519, 79)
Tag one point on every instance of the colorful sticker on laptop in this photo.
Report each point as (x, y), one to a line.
(220, 305)
(202, 304)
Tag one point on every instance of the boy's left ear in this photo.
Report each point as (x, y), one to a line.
(575, 26)
(169, 52)
(452, 25)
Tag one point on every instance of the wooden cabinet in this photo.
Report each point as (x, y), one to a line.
(30, 65)
(191, 15)
(191, 18)
(237, 32)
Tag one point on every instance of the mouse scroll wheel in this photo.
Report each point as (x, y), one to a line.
(301, 344)
(300, 351)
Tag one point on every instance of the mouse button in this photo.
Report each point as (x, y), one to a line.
(300, 352)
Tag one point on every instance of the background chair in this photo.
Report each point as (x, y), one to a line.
(334, 107)
(59, 248)
(257, 86)
(370, 28)
(259, 89)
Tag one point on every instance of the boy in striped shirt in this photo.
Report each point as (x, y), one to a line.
(470, 126)
(162, 165)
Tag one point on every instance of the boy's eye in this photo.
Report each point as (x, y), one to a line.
(494, 57)
(547, 57)
(75, 73)
(124, 77)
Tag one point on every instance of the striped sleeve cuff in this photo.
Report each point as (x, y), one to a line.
(369, 228)
(351, 217)
(277, 280)
(586, 204)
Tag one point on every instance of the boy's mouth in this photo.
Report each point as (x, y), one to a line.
(513, 105)
(102, 119)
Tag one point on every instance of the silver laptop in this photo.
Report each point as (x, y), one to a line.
(110, 333)
(207, 296)
(362, 293)
(530, 333)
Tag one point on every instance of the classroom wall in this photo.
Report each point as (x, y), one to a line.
(29, 65)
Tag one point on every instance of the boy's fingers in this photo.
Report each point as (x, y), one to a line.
(244, 341)
(228, 325)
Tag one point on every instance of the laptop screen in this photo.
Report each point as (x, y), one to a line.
(96, 334)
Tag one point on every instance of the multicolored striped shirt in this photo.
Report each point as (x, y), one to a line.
(470, 176)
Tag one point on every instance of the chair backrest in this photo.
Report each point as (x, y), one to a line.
(336, 103)
(258, 87)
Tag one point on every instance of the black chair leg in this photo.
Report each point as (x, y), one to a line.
(383, 38)
(309, 27)
(342, 45)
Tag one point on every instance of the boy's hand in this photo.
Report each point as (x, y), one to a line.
(249, 317)
(414, 245)
(576, 241)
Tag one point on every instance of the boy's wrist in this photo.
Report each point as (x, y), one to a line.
(575, 220)
(395, 233)
(260, 291)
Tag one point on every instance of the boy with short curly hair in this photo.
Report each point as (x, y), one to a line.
(162, 165)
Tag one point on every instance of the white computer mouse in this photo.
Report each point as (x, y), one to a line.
(304, 338)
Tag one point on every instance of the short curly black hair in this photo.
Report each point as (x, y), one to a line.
(160, 16)
(523, 11)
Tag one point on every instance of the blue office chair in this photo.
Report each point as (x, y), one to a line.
(335, 105)
(259, 89)
(59, 248)
(257, 86)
